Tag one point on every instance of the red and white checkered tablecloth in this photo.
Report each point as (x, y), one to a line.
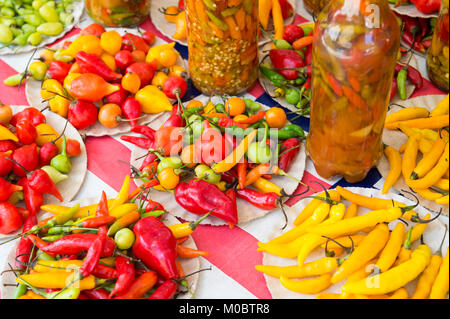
(233, 252)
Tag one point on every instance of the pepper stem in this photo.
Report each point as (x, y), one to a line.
(194, 225)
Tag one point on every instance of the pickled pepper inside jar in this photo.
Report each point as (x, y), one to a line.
(223, 45)
(437, 55)
(118, 13)
(315, 6)
(354, 56)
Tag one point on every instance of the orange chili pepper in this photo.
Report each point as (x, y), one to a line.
(186, 252)
(302, 42)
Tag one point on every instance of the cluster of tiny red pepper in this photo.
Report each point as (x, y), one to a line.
(21, 175)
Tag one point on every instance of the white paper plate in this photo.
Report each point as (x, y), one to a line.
(33, 94)
(246, 211)
(189, 265)
(77, 12)
(432, 236)
(68, 188)
(397, 138)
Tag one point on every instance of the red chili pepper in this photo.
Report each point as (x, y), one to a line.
(42, 183)
(102, 208)
(126, 273)
(229, 177)
(82, 114)
(288, 152)
(175, 119)
(7, 145)
(166, 290)
(426, 44)
(292, 32)
(393, 89)
(5, 164)
(26, 132)
(39, 243)
(33, 200)
(58, 70)
(117, 97)
(91, 63)
(211, 146)
(140, 286)
(150, 158)
(152, 206)
(133, 42)
(427, 6)
(335, 85)
(7, 189)
(181, 5)
(413, 74)
(25, 245)
(47, 152)
(149, 37)
(30, 114)
(142, 142)
(286, 59)
(175, 85)
(228, 122)
(97, 293)
(77, 243)
(286, 9)
(408, 38)
(145, 71)
(93, 253)
(26, 157)
(156, 246)
(200, 197)
(123, 59)
(104, 272)
(266, 201)
(308, 55)
(95, 222)
(132, 110)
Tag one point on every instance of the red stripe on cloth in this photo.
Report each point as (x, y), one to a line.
(10, 95)
(299, 19)
(257, 90)
(148, 25)
(104, 160)
(234, 252)
(309, 180)
(428, 89)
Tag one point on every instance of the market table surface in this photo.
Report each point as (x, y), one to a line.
(233, 252)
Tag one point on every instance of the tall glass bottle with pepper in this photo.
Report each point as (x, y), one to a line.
(437, 55)
(223, 45)
(118, 13)
(354, 55)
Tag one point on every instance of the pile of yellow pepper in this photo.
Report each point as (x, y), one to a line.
(378, 262)
(424, 165)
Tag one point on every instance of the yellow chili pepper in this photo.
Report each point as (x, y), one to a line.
(434, 122)
(59, 104)
(314, 268)
(278, 21)
(153, 100)
(266, 186)
(45, 134)
(407, 113)
(234, 157)
(155, 52)
(410, 156)
(319, 215)
(353, 225)
(123, 209)
(366, 201)
(328, 295)
(285, 250)
(108, 261)
(45, 266)
(400, 293)
(181, 29)
(430, 159)
(123, 222)
(369, 247)
(82, 211)
(395, 278)
(362, 272)
(352, 211)
(122, 196)
(443, 184)
(444, 200)
(426, 280)
(395, 168)
(346, 241)
(390, 251)
(6, 134)
(441, 108)
(31, 295)
(55, 280)
(425, 145)
(313, 204)
(307, 286)
(439, 289)
(50, 88)
(430, 135)
(88, 43)
(405, 252)
(434, 175)
(428, 194)
(265, 7)
(186, 229)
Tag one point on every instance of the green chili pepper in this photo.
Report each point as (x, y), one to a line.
(64, 217)
(251, 106)
(289, 131)
(401, 83)
(292, 96)
(248, 6)
(61, 161)
(307, 31)
(217, 21)
(220, 108)
(276, 78)
(154, 213)
(52, 238)
(210, 4)
(44, 256)
(230, 11)
(20, 290)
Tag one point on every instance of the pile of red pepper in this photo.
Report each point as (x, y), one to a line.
(290, 67)
(33, 159)
(123, 250)
(206, 156)
(416, 33)
(424, 6)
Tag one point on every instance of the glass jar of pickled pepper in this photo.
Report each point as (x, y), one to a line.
(354, 56)
(437, 55)
(315, 6)
(223, 45)
(118, 13)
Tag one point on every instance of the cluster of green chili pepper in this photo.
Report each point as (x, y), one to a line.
(25, 22)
